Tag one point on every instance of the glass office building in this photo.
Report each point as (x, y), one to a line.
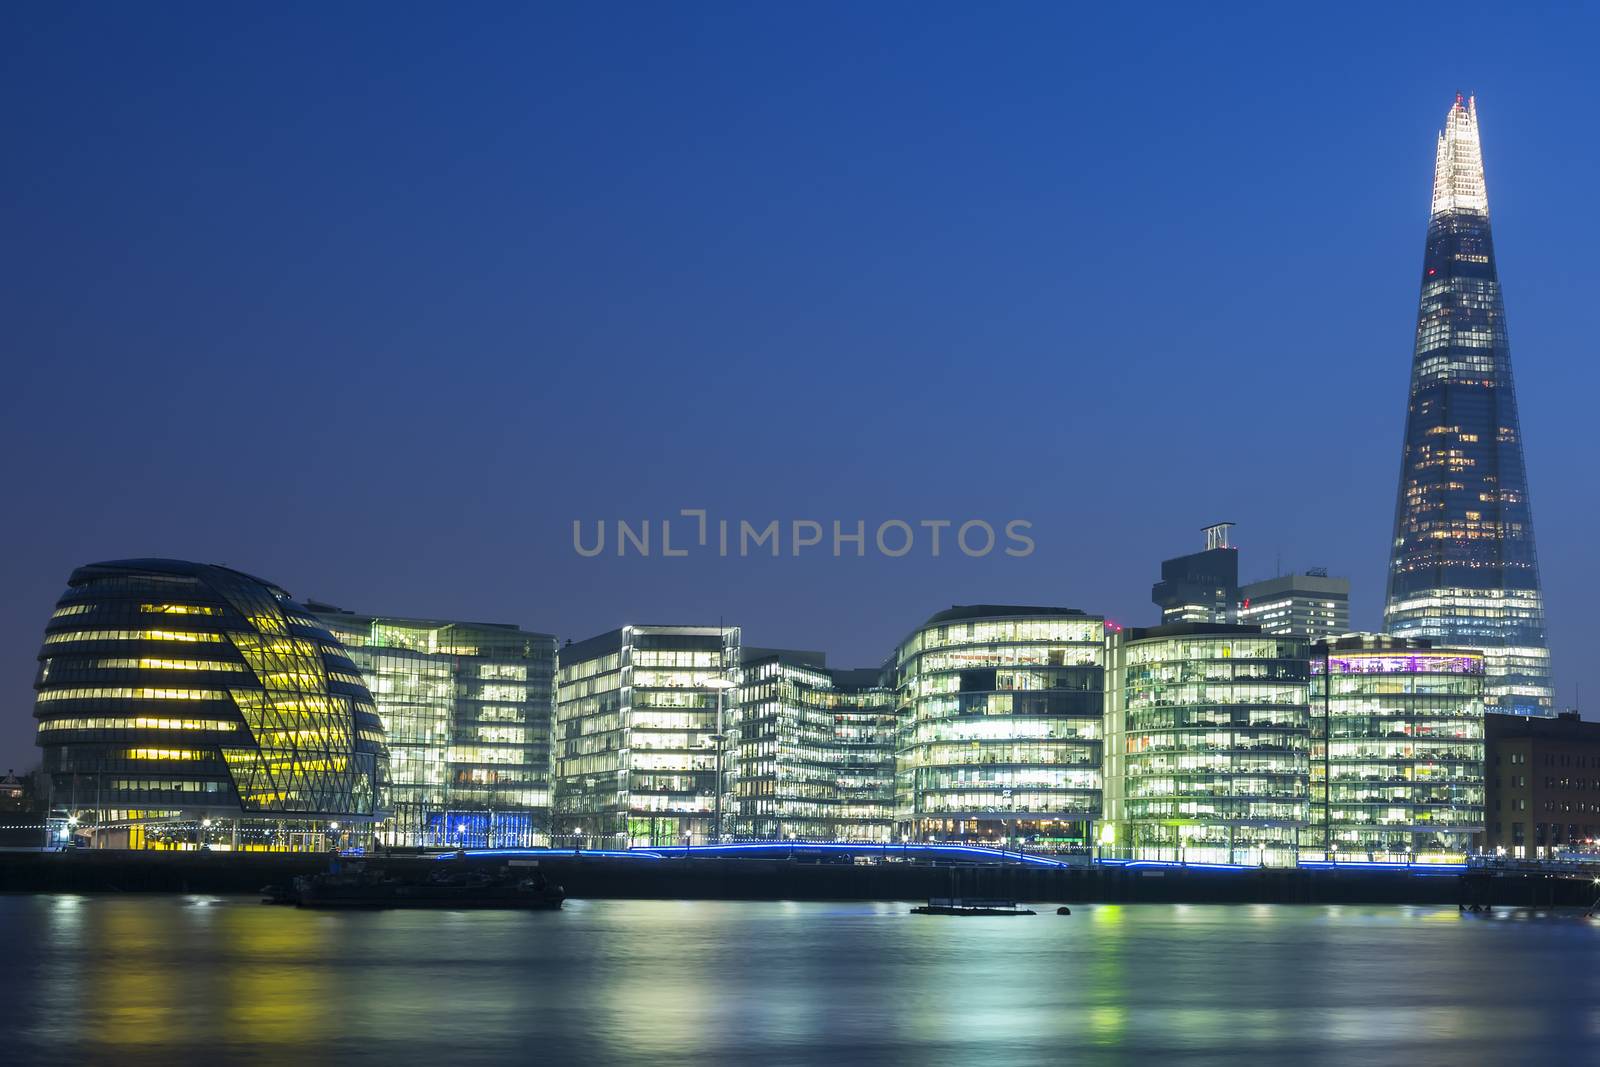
(814, 751)
(1397, 749)
(1209, 745)
(468, 711)
(1310, 605)
(182, 704)
(1463, 571)
(642, 755)
(1000, 712)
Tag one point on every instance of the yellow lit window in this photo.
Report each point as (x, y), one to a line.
(134, 722)
(166, 754)
(130, 693)
(128, 635)
(190, 665)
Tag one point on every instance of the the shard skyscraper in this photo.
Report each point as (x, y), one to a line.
(1463, 569)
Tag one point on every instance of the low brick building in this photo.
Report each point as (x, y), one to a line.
(1543, 784)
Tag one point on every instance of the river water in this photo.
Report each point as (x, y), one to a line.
(202, 979)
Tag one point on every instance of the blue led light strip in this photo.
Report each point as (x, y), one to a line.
(791, 847)
(536, 853)
(781, 847)
(933, 850)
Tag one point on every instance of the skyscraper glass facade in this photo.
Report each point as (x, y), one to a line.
(1463, 571)
(468, 709)
(639, 737)
(182, 704)
(1000, 713)
(1212, 745)
(1397, 762)
(815, 752)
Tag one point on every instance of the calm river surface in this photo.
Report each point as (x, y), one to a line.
(196, 979)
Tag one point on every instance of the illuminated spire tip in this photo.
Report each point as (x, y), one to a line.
(1458, 171)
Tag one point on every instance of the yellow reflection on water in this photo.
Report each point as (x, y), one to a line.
(1107, 1024)
(200, 972)
(132, 1007)
(1107, 914)
(276, 977)
(132, 989)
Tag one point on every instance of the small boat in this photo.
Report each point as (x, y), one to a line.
(969, 906)
(279, 894)
(361, 887)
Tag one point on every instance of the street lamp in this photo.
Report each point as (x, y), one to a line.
(721, 685)
(1005, 822)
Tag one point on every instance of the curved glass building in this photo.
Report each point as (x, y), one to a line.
(1000, 712)
(1210, 729)
(181, 704)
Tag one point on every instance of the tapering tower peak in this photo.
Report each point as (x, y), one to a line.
(1458, 168)
(1462, 569)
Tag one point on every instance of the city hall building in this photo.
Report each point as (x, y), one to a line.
(182, 705)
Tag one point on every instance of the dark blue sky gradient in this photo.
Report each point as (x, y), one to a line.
(374, 300)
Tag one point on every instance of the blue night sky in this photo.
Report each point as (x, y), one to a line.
(373, 301)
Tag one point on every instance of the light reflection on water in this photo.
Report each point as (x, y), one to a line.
(163, 979)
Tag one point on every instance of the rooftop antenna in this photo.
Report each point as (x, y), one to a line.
(1217, 535)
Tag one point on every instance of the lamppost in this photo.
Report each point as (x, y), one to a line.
(721, 685)
(1005, 823)
(592, 800)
